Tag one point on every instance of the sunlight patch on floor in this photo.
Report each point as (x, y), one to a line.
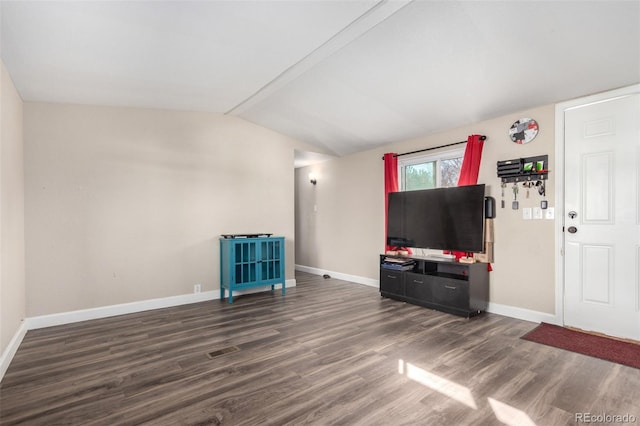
(505, 413)
(509, 415)
(439, 384)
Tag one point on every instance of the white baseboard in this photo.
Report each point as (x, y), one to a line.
(523, 314)
(494, 308)
(62, 318)
(121, 309)
(42, 321)
(12, 348)
(133, 307)
(288, 283)
(346, 277)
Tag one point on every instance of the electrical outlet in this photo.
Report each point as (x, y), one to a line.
(526, 213)
(197, 288)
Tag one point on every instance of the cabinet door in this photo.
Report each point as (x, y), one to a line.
(391, 282)
(450, 292)
(270, 260)
(245, 262)
(417, 287)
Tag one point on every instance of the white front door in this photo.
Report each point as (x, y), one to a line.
(602, 217)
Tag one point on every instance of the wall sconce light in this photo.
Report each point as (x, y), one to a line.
(312, 178)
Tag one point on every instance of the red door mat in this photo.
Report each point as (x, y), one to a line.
(613, 350)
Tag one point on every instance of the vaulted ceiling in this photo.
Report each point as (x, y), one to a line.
(343, 75)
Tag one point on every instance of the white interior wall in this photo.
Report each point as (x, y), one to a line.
(125, 205)
(12, 249)
(340, 220)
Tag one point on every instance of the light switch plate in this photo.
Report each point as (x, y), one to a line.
(526, 213)
(549, 213)
(537, 213)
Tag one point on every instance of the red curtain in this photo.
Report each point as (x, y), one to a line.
(469, 172)
(390, 185)
(471, 161)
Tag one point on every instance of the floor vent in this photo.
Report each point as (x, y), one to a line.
(222, 351)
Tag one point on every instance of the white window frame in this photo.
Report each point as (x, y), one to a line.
(419, 159)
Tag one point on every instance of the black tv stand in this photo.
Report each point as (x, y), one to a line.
(442, 284)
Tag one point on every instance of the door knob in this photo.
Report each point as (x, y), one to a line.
(572, 229)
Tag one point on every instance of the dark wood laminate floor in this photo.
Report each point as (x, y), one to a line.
(329, 352)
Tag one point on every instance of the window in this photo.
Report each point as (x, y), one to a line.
(430, 171)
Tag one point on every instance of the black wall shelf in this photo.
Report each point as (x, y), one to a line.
(524, 169)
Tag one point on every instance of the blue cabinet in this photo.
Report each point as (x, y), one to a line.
(251, 262)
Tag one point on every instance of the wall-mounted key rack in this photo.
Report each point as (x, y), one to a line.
(524, 169)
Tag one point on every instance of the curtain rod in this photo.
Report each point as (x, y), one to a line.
(483, 137)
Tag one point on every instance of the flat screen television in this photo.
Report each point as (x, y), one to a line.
(442, 218)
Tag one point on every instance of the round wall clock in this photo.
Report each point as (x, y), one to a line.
(523, 130)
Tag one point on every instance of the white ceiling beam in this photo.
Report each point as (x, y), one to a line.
(359, 26)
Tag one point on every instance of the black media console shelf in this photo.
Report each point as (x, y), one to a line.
(448, 286)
